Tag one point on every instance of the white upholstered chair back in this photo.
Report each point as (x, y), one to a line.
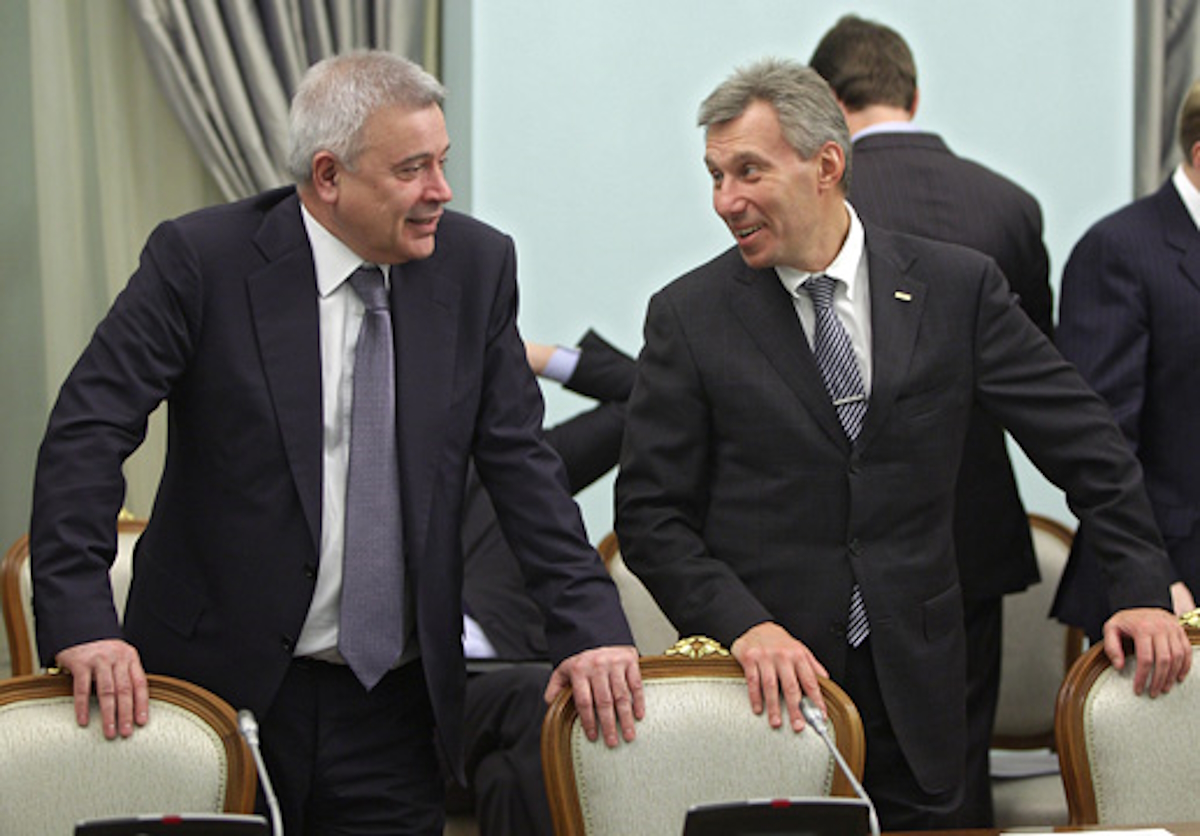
(1128, 760)
(699, 743)
(1038, 651)
(188, 759)
(16, 592)
(653, 632)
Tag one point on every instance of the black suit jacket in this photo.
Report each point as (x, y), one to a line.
(589, 445)
(740, 500)
(912, 182)
(1130, 320)
(221, 320)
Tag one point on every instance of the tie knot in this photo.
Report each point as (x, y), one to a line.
(367, 282)
(820, 290)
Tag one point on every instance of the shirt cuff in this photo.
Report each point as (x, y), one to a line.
(561, 364)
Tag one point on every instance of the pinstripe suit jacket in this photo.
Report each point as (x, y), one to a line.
(1130, 320)
(740, 500)
(912, 182)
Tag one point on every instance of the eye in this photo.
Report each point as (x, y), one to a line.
(751, 171)
(716, 176)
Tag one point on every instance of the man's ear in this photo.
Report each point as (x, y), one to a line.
(1194, 156)
(831, 165)
(912, 111)
(326, 176)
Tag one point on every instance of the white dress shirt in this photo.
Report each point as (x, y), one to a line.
(851, 295)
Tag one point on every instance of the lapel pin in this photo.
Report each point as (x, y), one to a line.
(903, 296)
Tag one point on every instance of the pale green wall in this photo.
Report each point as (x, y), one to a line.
(583, 143)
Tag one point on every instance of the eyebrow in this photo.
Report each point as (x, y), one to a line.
(739, 159)
(421, 157)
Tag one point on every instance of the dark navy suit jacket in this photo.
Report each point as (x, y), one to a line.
(1130, 320)
(912, 182)
(221, 321)
(740, 499)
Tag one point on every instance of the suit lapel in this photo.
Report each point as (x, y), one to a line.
(425, 301)
(283, 304)
(1179, 231)
(767, 312)
(897, 304)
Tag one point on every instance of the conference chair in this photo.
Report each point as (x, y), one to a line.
(16, 591)
(189, 758)
(1037, 653)
(1128, 760)
(653, 632)
(699, 743)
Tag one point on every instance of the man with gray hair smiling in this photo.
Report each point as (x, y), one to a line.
(794, 434)
(331, 356)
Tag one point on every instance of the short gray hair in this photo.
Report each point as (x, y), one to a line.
(336, 96)
(808, 113)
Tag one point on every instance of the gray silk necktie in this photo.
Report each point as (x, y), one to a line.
(843, 380)
(371, 627)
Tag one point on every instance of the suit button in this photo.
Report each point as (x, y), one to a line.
(855, 547)
(310, 571)
(288, 643)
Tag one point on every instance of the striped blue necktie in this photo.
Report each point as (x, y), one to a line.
(839, 369)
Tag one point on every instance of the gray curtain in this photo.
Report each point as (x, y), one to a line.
(228, 68)
(1167, 61)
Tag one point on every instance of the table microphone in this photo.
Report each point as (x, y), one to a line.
(248, 726)
(816, 719)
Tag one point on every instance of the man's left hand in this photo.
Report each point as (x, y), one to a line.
(1160, 644)
(606, 684)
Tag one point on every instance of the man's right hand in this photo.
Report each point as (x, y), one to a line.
(774, 661)
(115, 669)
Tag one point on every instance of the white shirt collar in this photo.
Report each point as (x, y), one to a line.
(1187, 193)
(844, 266)
(332, 259)
(895, 127)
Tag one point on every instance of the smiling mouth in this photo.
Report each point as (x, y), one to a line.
(747, 232)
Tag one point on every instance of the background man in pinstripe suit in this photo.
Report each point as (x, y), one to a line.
(1128, 320)
(910, 181)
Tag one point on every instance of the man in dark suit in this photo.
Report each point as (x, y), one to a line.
(1128, 320)
(812, 532)
(244, 319)
(909, 181)
(504, 706)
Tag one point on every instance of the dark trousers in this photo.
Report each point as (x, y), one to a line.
(503, 728)
(899, 800)
(984, 622)
(348, 762)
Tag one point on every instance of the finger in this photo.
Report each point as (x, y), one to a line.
(627, 701)
(1143, 678)
(106, 697)
(141, 696)
(554, 687)
(604, 702)
(1185, 665)
(83, 696)
(124, 700)
(633, 677)
(1113, 646)
(581, 693)
(789, 684)
(770, 692)
(810, 681)
(754, 687)
(1164, 663)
